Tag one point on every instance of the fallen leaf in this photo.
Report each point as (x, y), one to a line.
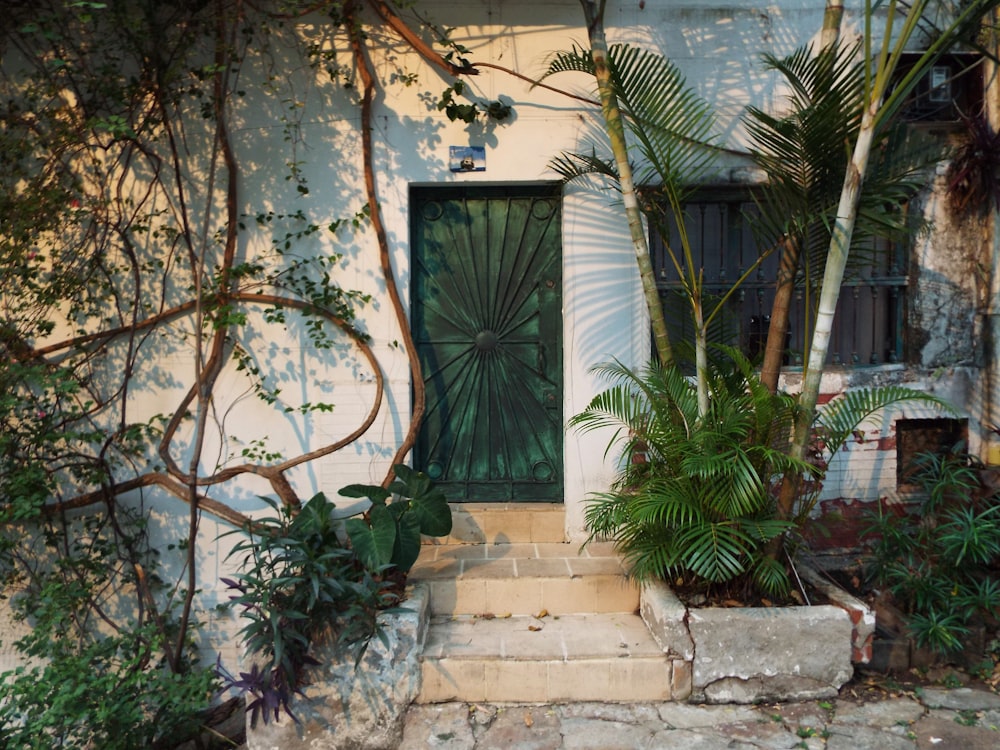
(505, 616)
(766, 602)
(732, 603)
(543, 613)
(487, 616)
(534, 628)
(528, 721)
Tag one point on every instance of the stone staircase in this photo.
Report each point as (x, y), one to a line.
(518, 614)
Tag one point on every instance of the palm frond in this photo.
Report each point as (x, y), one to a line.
(575, 166)
(842, 416)
(672, 126)
(668, 123)
(715, 551)
(805, 154)
(770, 576)
(575, 60)
(697, 498)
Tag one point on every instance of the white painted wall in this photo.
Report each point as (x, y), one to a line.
(716, 44)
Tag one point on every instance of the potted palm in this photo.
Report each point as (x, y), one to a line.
(694, 506)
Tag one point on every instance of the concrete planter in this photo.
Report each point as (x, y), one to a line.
(357, 709)
(756, 654)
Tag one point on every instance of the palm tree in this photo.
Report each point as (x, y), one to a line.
(597, 64)
(804, 157)
(645, 97)
(883, 97)
(694, 495)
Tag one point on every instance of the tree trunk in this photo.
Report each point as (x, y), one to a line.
(594, 14)
(777, 330)
(791, 248)
(833, 276)
(876, 111)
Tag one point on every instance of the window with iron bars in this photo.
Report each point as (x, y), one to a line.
(869, 323)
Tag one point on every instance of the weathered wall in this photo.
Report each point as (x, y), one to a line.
(718, 46)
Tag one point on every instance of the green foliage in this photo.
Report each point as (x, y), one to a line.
(669, 125)
(390, 533)
(124, 258)
(93, 681)
(107, 693)
(804, 155)
(938, 562)
(497, 110)
(300, 583)
(694, 492)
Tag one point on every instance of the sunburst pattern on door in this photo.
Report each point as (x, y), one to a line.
(487, 320)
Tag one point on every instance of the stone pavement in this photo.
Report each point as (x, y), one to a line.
(932, 717)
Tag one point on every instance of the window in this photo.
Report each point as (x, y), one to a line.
(868, 328)
(951, 88)
(917, 436)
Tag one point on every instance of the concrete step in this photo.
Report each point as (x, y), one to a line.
(524, 579)
(590, 657)
(520, 615)
(477, 523)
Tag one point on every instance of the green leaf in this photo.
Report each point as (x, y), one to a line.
(373, 542)
(373, 492)
(407, 546)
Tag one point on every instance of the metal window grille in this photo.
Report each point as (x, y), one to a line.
(869, 323)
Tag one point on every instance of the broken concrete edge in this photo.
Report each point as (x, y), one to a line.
(794, 653)
(666, 617)
(357, 706)
(862, 616)
(753, 654)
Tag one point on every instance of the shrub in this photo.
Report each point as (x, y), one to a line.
(693, 495)
(301, 582)
(99, 672)
(938, 562)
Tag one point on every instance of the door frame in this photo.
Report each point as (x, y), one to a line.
(419, 193)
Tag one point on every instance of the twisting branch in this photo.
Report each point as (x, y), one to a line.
(402, 320)
(417, 44)
(538, 84)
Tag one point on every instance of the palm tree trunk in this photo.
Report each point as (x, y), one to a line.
(774, 348)
(791, 249)
(594, 14)
(875, 112)
(833, 276)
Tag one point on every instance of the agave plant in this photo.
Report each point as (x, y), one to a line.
(695, 492)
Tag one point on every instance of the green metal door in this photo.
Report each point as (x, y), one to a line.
(487, 319)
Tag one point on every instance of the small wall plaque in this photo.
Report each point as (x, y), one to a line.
(467, 158)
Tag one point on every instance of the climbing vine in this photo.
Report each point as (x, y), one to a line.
(147, 288)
